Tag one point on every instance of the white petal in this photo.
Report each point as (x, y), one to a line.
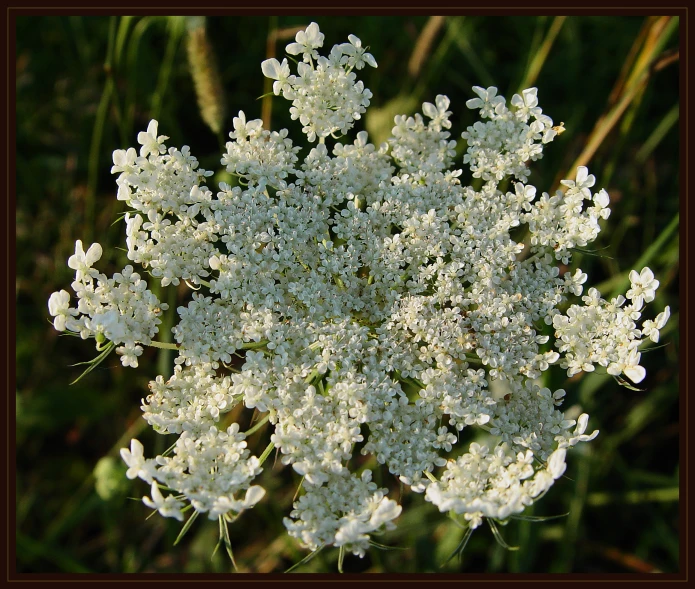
(556, 463)
(93, 254)
(662, 317)
(313, 33)
(292, 49)
(271, 68)
(429, 110)
(602, 199)
(582, 173)
(530, 97)
(253, 495)
(635, 373)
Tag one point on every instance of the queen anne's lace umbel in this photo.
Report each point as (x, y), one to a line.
(364, 300)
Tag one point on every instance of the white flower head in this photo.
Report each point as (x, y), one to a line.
(361, 289)
(583, 182)
(280, 72)
(356, 55)
(135, 460)
(644, 287)
(124, 161)
(244, 129)
(307, 42)
(488, 101)
(150, 142)
(169, 507)
(82, 262)
(59, 307)
(129, 354)
(651, 329)
(633, 370)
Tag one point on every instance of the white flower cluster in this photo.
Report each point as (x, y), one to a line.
(365, 301)
(208, 468)
(604, 333)
(173, 230)
(505, 144)
(118, 309)
(326, 96)
(342, 513)
(493, 484)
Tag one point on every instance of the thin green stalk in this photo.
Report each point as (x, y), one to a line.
(176, 28)
(667, 495)
(541, 55)
(133, 46)
(267, 103)
(619, 283)
(97, 134)
(258, 426)
(658, 134)
(164, 358)
(460, 37)
(164, 345)
(569, 541)
(266, 453)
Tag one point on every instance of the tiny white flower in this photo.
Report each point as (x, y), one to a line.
(59, 307)
(135, 460)
(82, 262)
(169, 507)
(280, 72)
(150, 142)
(644, 287)
(651, 329)
(307, 42)
(129, 354)
(124, 160)
(357, 56)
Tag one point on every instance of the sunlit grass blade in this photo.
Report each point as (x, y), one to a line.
(620, 282)
(667, 495)
(176, 27)
(648, 62)
(299, 487)
(539, 57)
(423, 45)
(666, 124)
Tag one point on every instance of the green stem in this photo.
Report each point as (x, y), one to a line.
(164, 357)
(164, 345)
(254, 345)
(258, 426)
(97, 133)
(266, 453)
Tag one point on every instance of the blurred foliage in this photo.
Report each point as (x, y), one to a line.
(86, 85)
